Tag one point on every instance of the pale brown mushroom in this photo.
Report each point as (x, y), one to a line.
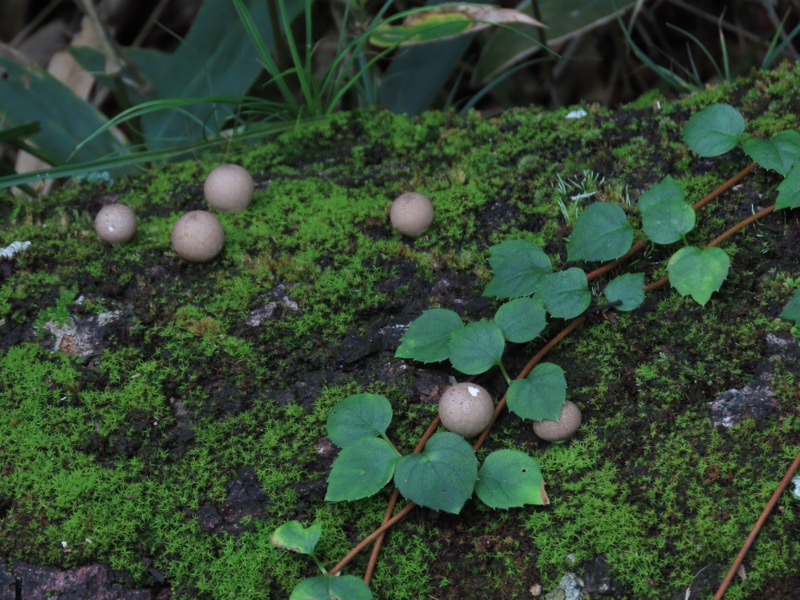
(562, 429)
(466, 409)
(411, 214)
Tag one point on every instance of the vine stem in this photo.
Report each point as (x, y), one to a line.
(376, 549)
(388, 520)
(696, 206)
(719, 239)
(757, 527)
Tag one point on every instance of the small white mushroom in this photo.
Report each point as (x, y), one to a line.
(466, 409)
(229, 188)
(198, 236)
(563, 429)
(411, 214)
(115, 223)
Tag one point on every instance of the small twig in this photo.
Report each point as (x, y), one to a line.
(757, 527)
(724, 187)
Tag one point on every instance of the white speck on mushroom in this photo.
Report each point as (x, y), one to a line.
(465, 412)
(115, 223)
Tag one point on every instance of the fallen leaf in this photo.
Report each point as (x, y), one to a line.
(447, 22)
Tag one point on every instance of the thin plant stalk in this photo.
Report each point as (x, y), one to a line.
(757, 527)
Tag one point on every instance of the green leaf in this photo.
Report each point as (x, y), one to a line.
(294, 537)
(358, 416)
(629, 289)
(791, 311)
(510, 478)
(668, 221)
(361, 469)
(433, 24)
(521, 319)
(442, 476)
(602, 232)
(540, 395)
(434, 27)
(518, 267)
(428, 336)
(789, 190)
(332, 587)
(778, 154)
(714, 130)
(666, 216)
(32, 95)
(698, 272)
(565, 294)
(666, 189)
(477, 347)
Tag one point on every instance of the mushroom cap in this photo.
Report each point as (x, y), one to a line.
(563, 429)
(466, 409)
(411, 214)
(115, 223)
(198, 236)
(229, 188)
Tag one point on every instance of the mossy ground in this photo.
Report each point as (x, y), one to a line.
(115, 454)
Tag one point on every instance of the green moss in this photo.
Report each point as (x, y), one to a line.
(90, 455)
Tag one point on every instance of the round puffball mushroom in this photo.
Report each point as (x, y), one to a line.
(563, 429)
(411, 214)
(198, 236)
(466, 409)
(115, 223)
(229, 188)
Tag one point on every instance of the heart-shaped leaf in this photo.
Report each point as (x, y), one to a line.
(428, 336)
(440, 477)
(791, 311)
(332, 587)
(668, 221)
(294, 537)
(714, 130)
(789, 190)
(521, 319)
(697, 272)
(361, 469)
(602, 232)
(666, 216)
(540, 395)
(627, 289)
(510, 478)
(778, 154)
(666, 189)
(518, 266)
(565, 294)
(477, 347)
(358, 416)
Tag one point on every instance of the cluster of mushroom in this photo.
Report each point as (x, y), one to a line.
(467, 409)
(198, 235)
